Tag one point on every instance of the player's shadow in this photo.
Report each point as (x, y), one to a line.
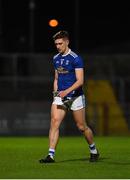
(79, 160)
(117, 163)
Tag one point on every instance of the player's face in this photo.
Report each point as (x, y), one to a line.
(62, 45)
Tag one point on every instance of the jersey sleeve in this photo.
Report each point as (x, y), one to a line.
(54, 64)
(78, 62)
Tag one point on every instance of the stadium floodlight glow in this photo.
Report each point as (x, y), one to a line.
(53, 23)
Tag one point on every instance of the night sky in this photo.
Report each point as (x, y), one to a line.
(91, 26)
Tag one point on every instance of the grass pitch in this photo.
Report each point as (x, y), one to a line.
(19, 158)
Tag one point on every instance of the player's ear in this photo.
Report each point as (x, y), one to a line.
(67, 41)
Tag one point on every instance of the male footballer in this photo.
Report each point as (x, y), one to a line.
(68, 94)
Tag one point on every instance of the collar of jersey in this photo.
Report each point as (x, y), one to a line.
(67, 53)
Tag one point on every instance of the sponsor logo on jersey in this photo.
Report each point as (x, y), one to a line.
(62, 70)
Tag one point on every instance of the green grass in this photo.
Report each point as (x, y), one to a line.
(19, 158)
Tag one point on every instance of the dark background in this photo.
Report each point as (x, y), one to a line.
(99, 31)
(24, 25)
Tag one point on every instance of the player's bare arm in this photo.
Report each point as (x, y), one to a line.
(79, 82)
(55, 81)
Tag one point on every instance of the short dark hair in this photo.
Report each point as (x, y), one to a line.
(61, 34)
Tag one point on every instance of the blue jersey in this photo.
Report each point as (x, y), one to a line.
(65, 66)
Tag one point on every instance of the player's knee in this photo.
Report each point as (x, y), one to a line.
(54, 122)
(82, 129)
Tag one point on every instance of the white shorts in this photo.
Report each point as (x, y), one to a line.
(73, 104)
